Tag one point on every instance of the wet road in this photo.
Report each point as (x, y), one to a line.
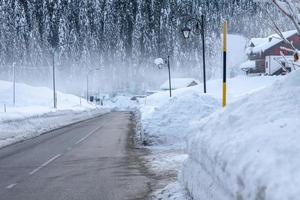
(91, 160)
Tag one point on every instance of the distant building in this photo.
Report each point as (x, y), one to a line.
(264, 54)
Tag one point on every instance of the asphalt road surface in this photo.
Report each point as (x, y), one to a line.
(91, 160)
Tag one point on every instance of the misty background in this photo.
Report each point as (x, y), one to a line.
(121, 37)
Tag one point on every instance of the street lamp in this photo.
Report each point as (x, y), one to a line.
(186, 32)
(196, 26)
(160, 62)
(87, 82)
(17, 30)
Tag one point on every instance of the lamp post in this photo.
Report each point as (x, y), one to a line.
(54, 80)
(14, 84)
(197, 28)
(17, 30)
(87, 82)
(160, 62)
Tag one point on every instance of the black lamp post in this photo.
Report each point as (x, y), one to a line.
(196, 26)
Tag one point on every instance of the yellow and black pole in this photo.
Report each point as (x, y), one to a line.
(224, 101)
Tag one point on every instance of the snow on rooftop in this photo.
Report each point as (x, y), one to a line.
(177, 83)
(262, 44)
(257, 41)
(250, 64)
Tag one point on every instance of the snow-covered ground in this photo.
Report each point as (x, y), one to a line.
(250, 149)
(33, 113)
(167, 123)
(168, 120)
(121, 103)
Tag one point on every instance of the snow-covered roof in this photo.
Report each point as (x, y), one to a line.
(250, 64)
(257, 41)
(179, 83)
(263, 44)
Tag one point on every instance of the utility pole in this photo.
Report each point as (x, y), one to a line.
(224, 64)
(87, 87)
(169, 69)
(53, 80)
(203, 52)
(14, 84)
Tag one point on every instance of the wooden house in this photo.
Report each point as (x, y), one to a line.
(265, 54)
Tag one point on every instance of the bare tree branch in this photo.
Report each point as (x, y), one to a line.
(290, 16)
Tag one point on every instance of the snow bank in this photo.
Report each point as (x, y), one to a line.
(250, 149)
(167, 120)
(36, 97)
(33, 113)
(173, 191)
(22, 128)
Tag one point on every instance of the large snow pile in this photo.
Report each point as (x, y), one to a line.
(167, 120)
(249, 150)
(33, 113)
(27, 96)
(167, 123)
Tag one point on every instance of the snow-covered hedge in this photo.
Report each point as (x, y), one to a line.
(250, 150)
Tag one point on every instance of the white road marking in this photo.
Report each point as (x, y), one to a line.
(11, 186)
(55, 157)
(88, 135)
(44, 164)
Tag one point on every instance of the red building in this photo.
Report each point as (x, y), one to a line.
(260, 51)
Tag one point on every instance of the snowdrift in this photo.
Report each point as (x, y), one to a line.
(33, 113)
(249, 150)
(167, 120)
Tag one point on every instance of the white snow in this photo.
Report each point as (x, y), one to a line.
(33, 113)
(159, 61)
(168, 122)
(250, 64)
(177, 83)
(250, 149)
(263, 44)
(173, 191)
(236, 50)
(121, 103)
